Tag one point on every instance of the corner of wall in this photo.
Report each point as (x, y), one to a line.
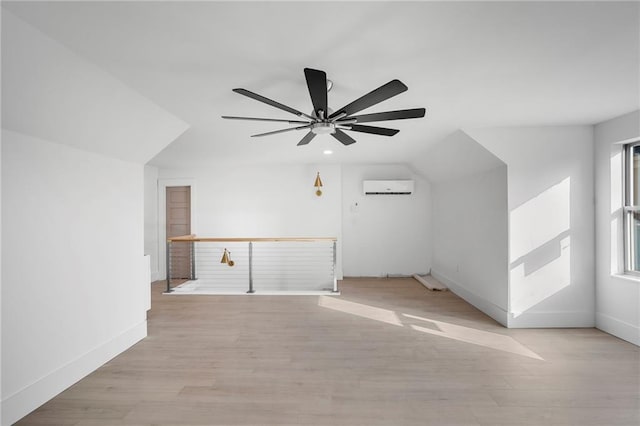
(151, 232)
(470, 228)
(619, 328)
(550, 204)
(489, 308)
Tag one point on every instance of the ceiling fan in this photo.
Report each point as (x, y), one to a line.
(324, 121)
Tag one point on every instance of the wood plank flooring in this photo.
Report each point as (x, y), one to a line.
(386, 352)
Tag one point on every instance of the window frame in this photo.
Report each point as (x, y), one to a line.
(628, 208)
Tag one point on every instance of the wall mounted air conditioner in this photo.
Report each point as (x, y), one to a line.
(388, 187)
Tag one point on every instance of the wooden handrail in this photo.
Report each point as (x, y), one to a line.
(250, 240)
(193, 238)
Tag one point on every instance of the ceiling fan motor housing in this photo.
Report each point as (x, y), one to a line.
(323, 128)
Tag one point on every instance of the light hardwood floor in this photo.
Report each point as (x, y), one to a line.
(386, 352)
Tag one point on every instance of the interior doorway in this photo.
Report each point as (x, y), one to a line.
(179, 223)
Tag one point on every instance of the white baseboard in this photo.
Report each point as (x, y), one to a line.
(31, 397)
(618, 328)
(155, 276)
(552, 319)
(489, 308)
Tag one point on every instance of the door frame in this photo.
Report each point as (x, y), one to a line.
(163, 184)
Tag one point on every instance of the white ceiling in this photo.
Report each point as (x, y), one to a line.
(470, 64)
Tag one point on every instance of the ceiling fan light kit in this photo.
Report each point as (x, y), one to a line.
(322, 128)
(324, 121)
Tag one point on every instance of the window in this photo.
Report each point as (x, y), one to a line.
(632, 208)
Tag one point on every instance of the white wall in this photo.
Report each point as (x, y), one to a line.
(71, 299)
(617, 297)
(151, 240)
(259, 201)
(381, 235)
(1, 399)
(77, 216)
(470, 223)
(385, 234)
(551, 223)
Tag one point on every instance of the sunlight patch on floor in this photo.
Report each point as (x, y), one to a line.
(447, 330)
(359, 309)
(484, 338)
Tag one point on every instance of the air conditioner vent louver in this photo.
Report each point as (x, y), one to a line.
(388, 187)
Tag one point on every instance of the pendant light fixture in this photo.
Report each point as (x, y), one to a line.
(318, 184)
(226, 258)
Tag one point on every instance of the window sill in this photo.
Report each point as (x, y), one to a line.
(627, 277)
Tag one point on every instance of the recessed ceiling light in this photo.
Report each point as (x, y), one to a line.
(327, 152)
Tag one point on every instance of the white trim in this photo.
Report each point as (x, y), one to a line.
(617, 183)
(627, 141)
(618, 328)
(509, 247)
(628, 236)
(146, 283)
(32, 396)
(552, 319)
(494, 311)
(627, 277)
(257, 293)
(163, 184)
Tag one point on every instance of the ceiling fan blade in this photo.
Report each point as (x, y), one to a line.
(307, 138)
(382, 93)
(317, 84)
(281, 131)
(389, 115)
(264, 119)
(271, 102)
(344, 138)
(371, 129)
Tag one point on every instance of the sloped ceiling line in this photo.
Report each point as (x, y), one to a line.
(51, 93)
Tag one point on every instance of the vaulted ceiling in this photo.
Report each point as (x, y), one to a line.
(470, 64)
